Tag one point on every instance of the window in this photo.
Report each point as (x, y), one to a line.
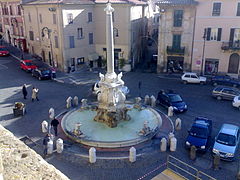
(238, 9)
(80, 60)
(29, 17)
(40, 18)
(79, 33)
(214, 34)
(54, 19)
(56, 41)
(70, 18)
(71, 42)
(31, 35)
(90, 36)
(19, 10)
(113, 19)
(234, 37)
(10, 8)
(1, 29)
(176, 41)
(178, 16)
(216, 9)
(89, 17)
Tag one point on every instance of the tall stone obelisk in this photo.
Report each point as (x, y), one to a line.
(111, 100)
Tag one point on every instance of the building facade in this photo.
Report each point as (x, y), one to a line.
(176, 30)
(70, 34)
(217, 38)
(12, 23)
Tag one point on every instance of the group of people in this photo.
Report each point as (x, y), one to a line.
(34, 93)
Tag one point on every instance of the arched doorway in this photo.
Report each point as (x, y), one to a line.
(233, 65)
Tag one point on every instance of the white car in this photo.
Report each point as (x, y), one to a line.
(236, 102)
(190, 77)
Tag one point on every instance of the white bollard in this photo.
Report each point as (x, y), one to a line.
(138, 100)
(178, 124)
(75, 101)
(44, 126)
(50, 146)
(173, 144)
(92, 155)
(170, 135)
(163, 146)
(132, 154)
(146, 100)
(170, 111)
(69, 102)
(84, 103)
(51, 113)
(59, 145)
(153, 101)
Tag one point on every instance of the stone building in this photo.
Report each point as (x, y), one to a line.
(12, 23)
(176, 30)
(217, 38)
(69, 34)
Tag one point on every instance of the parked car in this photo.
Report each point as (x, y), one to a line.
(236, 102)
(200, 134)
(225, 80)
(227, 93)
(96, 89)
(167, 99)
(190, 77)
(226, 142)
(27, 65)
(42, 73)
(4, 51)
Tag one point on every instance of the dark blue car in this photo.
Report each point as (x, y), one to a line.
(225, 80)
(200, 134)
(169, 98)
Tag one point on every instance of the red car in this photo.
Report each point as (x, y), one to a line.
(3, 51)
(27, 65)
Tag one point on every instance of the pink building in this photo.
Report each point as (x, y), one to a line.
(216, 47)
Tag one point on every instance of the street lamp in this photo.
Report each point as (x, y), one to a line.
(44, 30)
(204, 40)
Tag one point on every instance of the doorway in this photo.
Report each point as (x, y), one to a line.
(233, 65)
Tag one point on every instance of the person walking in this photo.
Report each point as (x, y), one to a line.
(24, 91)
(54, 124)
(46, 139)
(35, 94)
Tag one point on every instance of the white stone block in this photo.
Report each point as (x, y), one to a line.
(170, 111)
(44, 126)
(132, 154)
(178, 124)
(69, 102)
(51, 113)
(153, 101)
(163, 144)
(59, 145)
(92, 155)
(173, 144)
(75, 101)
(146, 100)
(50, 147)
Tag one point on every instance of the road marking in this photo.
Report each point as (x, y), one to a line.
(3, 66)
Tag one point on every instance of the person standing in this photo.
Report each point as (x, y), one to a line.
(24, 91)
(54, 124)
(35, 94)
(46, 139)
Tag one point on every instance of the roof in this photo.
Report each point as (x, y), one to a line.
(229, 129)
(135, 2)
(176, 2)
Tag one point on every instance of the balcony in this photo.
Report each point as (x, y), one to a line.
(175, 50)
(231, 46)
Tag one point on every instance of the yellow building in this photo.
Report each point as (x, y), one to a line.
(70, 34)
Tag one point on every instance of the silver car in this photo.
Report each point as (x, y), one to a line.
(226, 142)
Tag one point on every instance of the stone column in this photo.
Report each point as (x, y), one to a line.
(109, 37)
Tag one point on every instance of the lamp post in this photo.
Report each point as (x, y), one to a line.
(46, 29)
(204, 40)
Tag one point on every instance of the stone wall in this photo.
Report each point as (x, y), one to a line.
(21, 162)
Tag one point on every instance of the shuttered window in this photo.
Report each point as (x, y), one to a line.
(31, 35)
(178, 16)
(216, 9)
(176, 41)
(90, 36)
(238, 9)
(214, 34)
(71, 42)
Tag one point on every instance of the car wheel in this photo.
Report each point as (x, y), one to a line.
(219, 98)
(215, 84)
(184, 82)
(201, 82)
(39, 78)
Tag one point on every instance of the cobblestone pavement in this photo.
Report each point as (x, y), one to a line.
(54, 94)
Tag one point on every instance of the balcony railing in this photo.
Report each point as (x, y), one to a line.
(231, 45)
(175, 50)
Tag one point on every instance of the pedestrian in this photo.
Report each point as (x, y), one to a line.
(46, 139)
(35, 94)
(54, 124)
(24, 91)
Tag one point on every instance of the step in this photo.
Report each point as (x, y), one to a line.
(168, 175)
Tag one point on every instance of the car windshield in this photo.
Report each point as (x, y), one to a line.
(226, 139)
(175, 98)
(198, 132)
(29, 64)
(3, 49)
(45, 71)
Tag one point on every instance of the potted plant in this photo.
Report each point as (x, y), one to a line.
(19, 109)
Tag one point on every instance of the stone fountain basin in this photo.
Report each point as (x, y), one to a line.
(100, 135)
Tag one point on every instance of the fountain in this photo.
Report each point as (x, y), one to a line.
(111, 122)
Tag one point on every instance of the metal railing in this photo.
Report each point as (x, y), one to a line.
(185, 170)
(231, 45)
(175, 50)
